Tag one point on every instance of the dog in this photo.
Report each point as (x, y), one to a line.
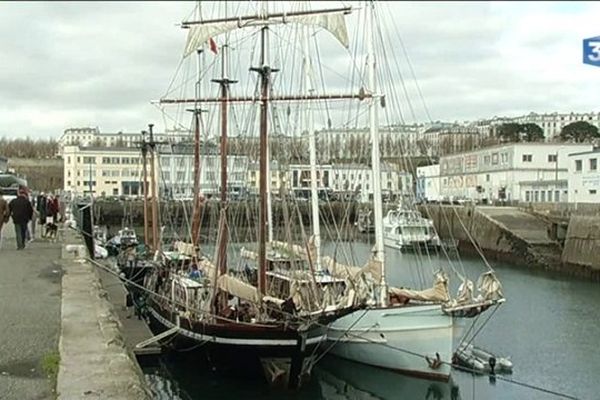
(51, 231)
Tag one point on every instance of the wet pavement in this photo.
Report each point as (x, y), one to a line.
(30, 301)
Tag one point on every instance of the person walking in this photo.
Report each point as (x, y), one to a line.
(4, 214)
(21, 211)
(41, 209)
(34, 218)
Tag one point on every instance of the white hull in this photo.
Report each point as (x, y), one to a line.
(372, 336)
(399, 243)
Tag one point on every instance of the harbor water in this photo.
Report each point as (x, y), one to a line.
(548, 326)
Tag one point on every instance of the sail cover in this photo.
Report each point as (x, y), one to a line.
(199, 35)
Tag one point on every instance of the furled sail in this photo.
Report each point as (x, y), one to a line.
(200, 34)
(438, 293)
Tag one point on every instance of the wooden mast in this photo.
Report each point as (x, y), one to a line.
(265, 74)
(224, 82)
(145, 187)
(155, 240)
(196, 212)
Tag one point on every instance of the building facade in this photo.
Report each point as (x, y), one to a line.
(111, 171)
(92, 137)
(3, 164)
(428, 183)
(503, 172)
(584, 178)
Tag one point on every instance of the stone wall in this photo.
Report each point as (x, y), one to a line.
(582, 244)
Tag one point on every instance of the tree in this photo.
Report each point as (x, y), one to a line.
(532, 133)
(579, 132)
(510, 132)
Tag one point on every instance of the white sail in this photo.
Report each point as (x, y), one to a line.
(200, 34)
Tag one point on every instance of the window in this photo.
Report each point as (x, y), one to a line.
(543, 196)
(105, 160)
(549, 195)
(593, 164)
(536, 196)
(78, 159)
(68, 173)
(487, 177)
(557, 196)
(89, 160)
(527, 195)
(115, 173)
(552, 157)
(68, 183)
(527, 157)
(486, 160)
(592, 191)
(578, 165)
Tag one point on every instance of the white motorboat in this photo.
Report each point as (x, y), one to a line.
(406, 229)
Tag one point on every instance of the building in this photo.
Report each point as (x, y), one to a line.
(3, 164)
(176, 179)
(584, 178)
(102, 171)
(343, 180)
(112, 171)
(87, 137)
(354, 143)
(552, 123)
(509, 172)
(428, 183)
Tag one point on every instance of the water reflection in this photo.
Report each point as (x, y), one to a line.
(341, 379)
(333, 379)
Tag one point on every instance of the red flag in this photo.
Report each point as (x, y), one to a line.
(213, 45)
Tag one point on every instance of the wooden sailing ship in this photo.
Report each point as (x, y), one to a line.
(196, 300)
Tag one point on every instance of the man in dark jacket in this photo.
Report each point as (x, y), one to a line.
(21, 211)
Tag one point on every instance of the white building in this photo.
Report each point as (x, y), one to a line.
(428, 183)
(584, 178)
(354, 143)
(552, 123)
(111, 171)
(3, 164)
(93, 137)
(509, 172)
(176, 178)
(105, 171)
(349, 180)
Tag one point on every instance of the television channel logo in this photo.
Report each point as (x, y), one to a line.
(591, 51)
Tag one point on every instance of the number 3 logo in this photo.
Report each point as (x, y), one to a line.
(591, 51)
(594, 51)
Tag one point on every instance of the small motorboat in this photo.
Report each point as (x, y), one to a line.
(481, 361)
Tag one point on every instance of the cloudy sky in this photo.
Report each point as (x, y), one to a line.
(100, 64)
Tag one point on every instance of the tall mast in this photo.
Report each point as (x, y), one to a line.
(145, 187)
(224, 82)
(155, 240)
(379, 255)
(316, 258)
(196, 110)
(265, 13)
(265, 74)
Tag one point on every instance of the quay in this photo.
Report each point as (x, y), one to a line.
(65, 332)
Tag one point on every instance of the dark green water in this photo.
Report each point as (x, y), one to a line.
(549, 325)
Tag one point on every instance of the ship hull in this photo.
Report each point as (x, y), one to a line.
(374, 337)
(284, 357)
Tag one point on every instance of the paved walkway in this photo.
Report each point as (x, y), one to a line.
(30, 299)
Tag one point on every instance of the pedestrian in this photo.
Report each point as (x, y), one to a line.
(4, 214)
(22, 212)
(41, 209)
(34, 219)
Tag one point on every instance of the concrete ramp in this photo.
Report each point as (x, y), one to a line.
(532, 230)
